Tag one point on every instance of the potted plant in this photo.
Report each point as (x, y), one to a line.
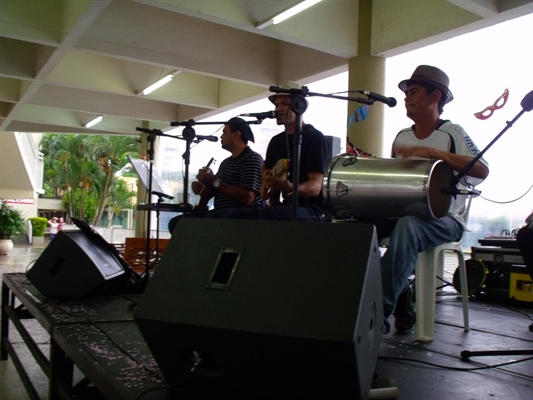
(11, 223)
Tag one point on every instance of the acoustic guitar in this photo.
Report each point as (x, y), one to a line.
(281, 167)
(205, 194)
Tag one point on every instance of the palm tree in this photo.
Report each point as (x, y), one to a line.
(119, 198)
(81, 168)
(111, 153)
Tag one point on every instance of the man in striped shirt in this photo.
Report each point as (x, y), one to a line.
(237, 183)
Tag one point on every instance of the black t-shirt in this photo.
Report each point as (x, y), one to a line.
(314, 157)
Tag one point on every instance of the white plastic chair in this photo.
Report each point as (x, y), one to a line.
(429, 267)
(430, 264)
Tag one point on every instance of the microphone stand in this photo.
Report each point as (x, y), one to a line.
(299, 106)
(455, 180)
(152, 134)
(527, 105)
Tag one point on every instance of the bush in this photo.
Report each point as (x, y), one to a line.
(11, 221)
(38, 225)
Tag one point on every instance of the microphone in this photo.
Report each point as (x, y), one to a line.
(148, 130)
(390, 101)
(527, 102)
(261, 115)
(210, 138)
(454, 191)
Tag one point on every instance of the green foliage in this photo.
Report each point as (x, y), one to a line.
(81, 169)
(11, 221)
(38, 225)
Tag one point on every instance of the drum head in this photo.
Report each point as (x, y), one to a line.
(475, 276)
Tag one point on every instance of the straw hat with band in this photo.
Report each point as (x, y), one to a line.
(431, 75)
(286, 85)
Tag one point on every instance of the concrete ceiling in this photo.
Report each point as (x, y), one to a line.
(63, 62)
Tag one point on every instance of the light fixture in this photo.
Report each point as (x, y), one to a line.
(93, 122)
(287, 13)
(157, 85)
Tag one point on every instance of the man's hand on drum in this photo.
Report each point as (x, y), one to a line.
(415, 151)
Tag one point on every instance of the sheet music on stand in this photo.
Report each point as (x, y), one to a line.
(142, 168)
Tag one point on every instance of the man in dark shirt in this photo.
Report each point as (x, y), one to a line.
(277, 169)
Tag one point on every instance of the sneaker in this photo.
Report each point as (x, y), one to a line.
(405, 311)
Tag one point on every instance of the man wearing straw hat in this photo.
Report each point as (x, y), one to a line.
(277, 169)
(426, 93)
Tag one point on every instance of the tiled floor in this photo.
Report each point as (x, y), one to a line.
(11, 387)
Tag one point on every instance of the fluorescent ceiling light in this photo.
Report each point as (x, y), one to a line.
(293, 11)
(93, 121)
(158, 84)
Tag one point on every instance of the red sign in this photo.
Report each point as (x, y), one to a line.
(20, 201)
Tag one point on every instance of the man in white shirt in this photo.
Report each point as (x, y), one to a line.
(426, 93)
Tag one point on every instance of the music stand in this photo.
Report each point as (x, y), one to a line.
(142, 168)
(153, 184)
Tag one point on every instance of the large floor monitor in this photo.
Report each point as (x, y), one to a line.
(272, 310)
(78, 263)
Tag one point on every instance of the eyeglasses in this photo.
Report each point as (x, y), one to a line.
(487, 112)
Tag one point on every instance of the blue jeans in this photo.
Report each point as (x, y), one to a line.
(279, 213)
(411, 235)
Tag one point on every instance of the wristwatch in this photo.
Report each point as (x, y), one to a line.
(216, 183)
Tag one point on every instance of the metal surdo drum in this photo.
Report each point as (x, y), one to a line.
(367, 188)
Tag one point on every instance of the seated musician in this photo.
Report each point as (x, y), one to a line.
(237, 183)
(431, 137)
(277, 169)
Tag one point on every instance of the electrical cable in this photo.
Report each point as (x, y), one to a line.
(509, 201)
(454, 368)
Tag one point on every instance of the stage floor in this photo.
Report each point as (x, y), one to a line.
(419, 370)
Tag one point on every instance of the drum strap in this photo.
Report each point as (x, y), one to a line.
(452, 142)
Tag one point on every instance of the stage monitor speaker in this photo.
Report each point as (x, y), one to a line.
(269, 309)
(74, 264)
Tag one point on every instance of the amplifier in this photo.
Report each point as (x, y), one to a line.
(506, 275)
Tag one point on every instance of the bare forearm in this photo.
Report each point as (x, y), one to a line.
(310, 188)
(236, 193)
(457, 162)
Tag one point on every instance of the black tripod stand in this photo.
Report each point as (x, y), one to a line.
(189, 136)
(527, 105)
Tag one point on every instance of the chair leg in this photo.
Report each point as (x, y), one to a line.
(464, 289)
(426, 270)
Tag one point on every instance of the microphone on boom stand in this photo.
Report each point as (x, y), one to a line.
(527, 105)
(261, 115)
(390, 101)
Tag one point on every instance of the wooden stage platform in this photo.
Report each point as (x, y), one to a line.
(96, 351)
